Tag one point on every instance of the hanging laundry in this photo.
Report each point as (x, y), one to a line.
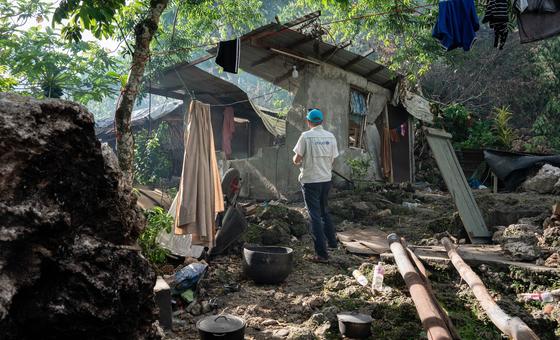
(394, 135)
(497, 17)
(228, 55)
(540, 20)
(457, 24)
(228, 128)
(403, 129)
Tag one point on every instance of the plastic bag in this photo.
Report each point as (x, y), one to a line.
(189, 275)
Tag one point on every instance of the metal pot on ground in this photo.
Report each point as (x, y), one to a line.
(267, 264)
(221, 327)
(354, 325)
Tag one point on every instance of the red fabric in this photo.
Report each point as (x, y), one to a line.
(228, 128)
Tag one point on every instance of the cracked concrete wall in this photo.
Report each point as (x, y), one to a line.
(270, 173)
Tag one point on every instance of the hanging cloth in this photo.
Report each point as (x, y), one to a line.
(228, 128)
(457, 24)
(497, 17)
(228, 55)
(200, 195)
(540, 20)
(386, 161)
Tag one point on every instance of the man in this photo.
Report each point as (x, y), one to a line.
(315, 152)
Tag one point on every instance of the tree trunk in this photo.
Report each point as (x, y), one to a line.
(144, 32)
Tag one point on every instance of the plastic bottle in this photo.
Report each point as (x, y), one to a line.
(377, 281)
(360, 277)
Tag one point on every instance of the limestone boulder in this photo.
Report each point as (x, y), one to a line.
(69, 264)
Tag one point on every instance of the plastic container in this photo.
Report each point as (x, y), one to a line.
(377, 280)
(360, 277)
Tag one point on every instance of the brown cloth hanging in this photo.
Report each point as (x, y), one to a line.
(386, 161)
(200, 195)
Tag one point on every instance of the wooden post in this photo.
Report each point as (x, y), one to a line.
(512, 327)
(427, 310)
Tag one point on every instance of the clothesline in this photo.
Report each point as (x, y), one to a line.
(367, 15)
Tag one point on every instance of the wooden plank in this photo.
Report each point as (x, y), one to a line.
(475, 255)
(373, 239)
(446, 159)
(358, 248)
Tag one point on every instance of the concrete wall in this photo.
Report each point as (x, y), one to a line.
(328, 88)
(269, 174)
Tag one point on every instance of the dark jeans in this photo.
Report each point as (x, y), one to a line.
(316, 196)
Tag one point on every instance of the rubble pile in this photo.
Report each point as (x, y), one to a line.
(69, 264)
(275, 224)
(551, 237)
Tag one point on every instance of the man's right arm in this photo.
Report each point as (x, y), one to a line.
(299, 151)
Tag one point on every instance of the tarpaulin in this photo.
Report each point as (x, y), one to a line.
(513, 168)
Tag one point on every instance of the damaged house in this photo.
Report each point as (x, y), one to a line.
(370, 117)
(254, 125)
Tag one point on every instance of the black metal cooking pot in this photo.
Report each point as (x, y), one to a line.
(221, 327)
(354, 325)
(267, 264)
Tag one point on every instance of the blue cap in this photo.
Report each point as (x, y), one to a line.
(315, 116)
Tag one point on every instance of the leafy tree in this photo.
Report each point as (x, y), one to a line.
(38, 62)
(152, 161)
(137, 23)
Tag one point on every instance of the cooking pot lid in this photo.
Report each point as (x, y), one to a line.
(225, 323)
(354, 317)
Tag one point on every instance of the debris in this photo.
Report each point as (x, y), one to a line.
(513, 327)
(553, 261)
(362, 280)
(188, 295)
(189, 275)
(377, 281)
(383, 213)
(520, 241)
(162, 294)
(410, 205)
(544, 181)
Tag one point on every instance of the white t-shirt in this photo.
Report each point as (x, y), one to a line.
(318, 149)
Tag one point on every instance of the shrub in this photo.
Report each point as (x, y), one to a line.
(504, 133)
(157, 220)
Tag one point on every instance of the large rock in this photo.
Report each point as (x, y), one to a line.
(544, 181)
(520, 241)
(69, 264)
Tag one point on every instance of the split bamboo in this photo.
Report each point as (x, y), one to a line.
(513, 327)
(428, 312)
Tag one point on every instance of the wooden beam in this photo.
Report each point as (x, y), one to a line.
(358, 59)
(292, 55)
(303, 19)
(512, 327)
(290, 46)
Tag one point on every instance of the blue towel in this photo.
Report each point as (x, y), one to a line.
(457, 24)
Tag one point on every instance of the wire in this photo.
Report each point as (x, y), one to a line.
(248, 99)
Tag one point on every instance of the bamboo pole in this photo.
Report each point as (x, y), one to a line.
(513, 327)
(427, 310)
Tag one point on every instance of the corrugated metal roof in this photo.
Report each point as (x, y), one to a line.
(257, 57)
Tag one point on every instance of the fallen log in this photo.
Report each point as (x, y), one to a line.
(513, 327)
(428, 312)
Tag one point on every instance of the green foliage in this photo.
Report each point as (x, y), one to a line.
(455, 119)
(152, 161)
(37, 62)
(157, 220)
(480, 135)
(359, 167)
(504, 133)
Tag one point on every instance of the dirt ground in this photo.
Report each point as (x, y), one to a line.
(306, 304)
